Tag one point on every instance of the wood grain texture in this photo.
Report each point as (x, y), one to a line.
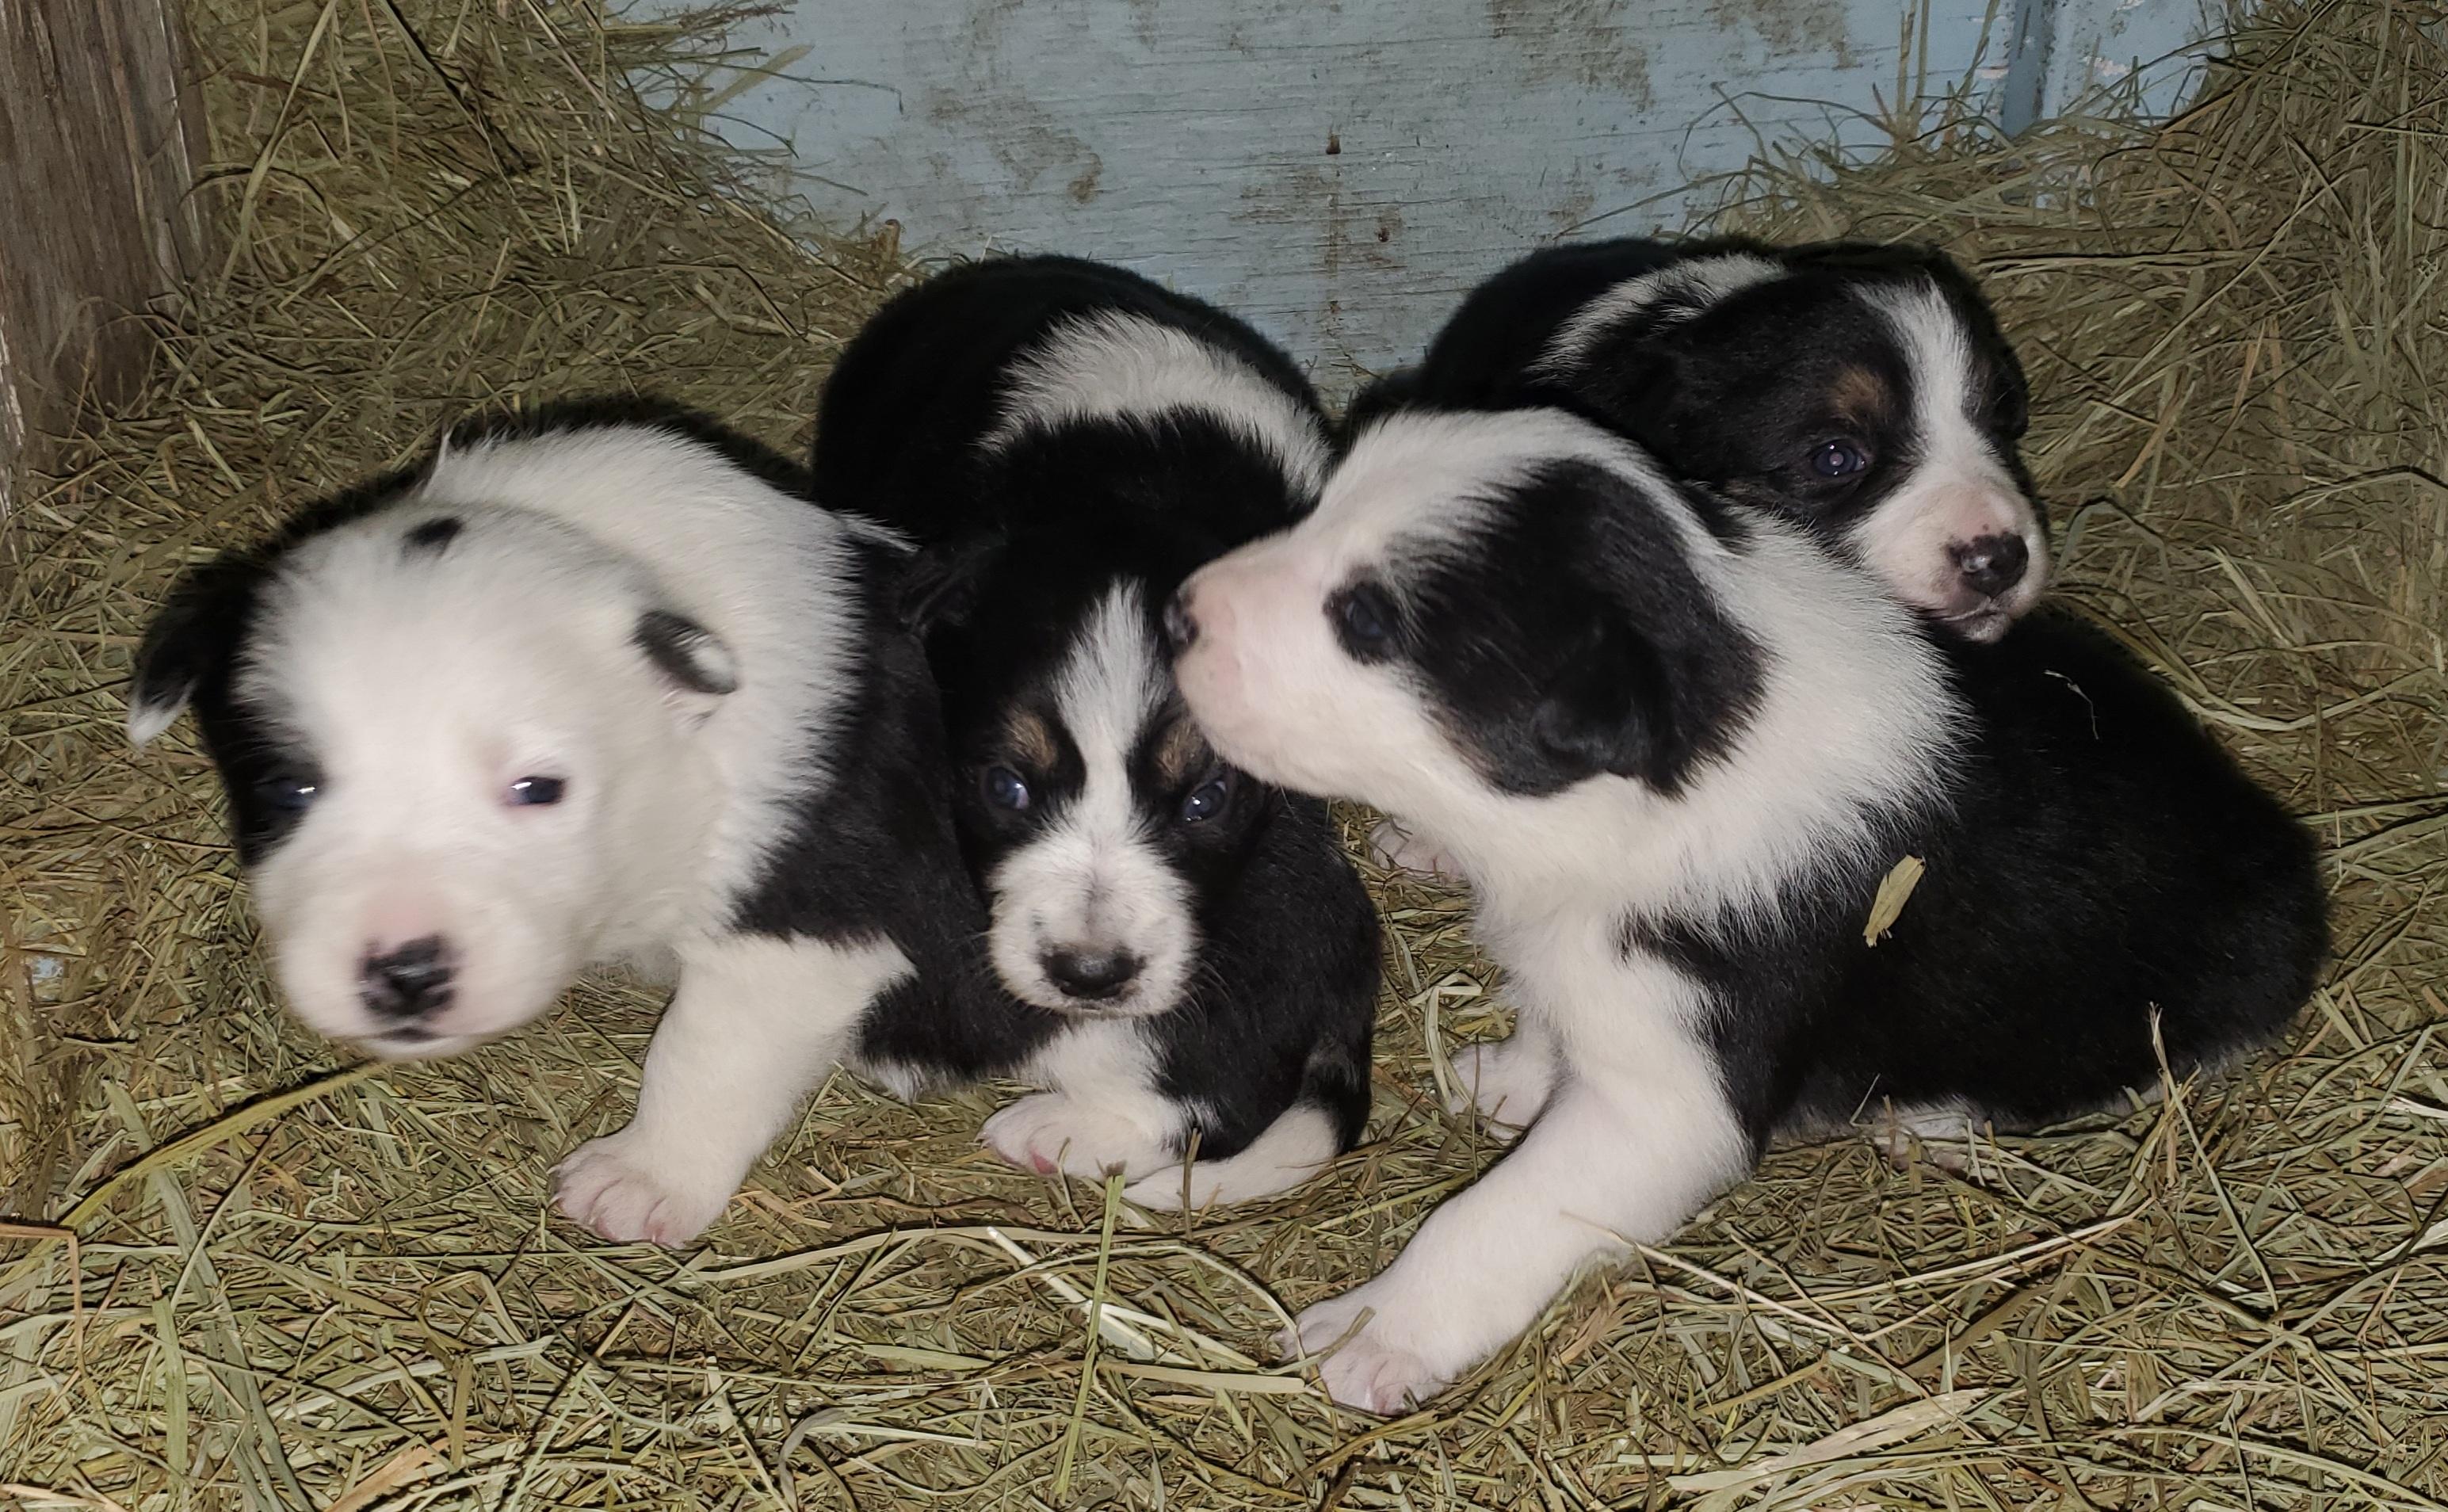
(100, 142)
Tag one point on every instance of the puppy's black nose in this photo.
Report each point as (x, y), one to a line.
(1091, 975)
(407, 982)
(1179, 628)
(1992, 563)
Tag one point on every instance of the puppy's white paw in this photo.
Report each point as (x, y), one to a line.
(1054, 1132)
(1397, 849)
(617, 1188)
(1505, 1081)
(1371, 1367)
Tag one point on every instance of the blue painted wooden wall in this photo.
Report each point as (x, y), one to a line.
(1339, 170)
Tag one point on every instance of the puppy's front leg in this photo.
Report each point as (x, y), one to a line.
(1614, 1157)
(1506, 1082)
(757, 1022)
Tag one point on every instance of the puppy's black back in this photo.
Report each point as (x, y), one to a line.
(903, 413)
(2103, 860)
(1483, 358)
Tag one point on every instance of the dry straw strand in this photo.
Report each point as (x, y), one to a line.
(2240, 363)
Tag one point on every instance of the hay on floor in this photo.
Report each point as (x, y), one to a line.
(243, 1275)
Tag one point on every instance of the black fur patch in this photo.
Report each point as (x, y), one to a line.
(1018, 548)
(1740, 393)
(2097, 859)
(1572, 638)
(685, 651)
(434, 536)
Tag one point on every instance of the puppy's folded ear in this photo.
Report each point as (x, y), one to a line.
(191, 641)
(939, 585)
(1632, 389)
(695, 662)
(1608, 710)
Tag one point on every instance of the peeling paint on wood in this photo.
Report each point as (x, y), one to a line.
(1340, 170)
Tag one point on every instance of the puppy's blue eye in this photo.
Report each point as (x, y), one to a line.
(536, 791)
(1005, 789)
(1364, 617)
(1207, 800)
(1838, 459)
(289, 795)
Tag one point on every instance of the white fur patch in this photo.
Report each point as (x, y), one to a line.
(1102, 1113)
(1960, 489)
(1273, 691)
(424, 682)
(1290, 1150)
(766, 572)
(757, 1024)
(1694, 284)
(1635, 1132)
(1633, 1142)
(1093, 882)
(1126, 367)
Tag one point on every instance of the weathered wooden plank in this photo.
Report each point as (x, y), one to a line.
(1340, 168)
(100, 141)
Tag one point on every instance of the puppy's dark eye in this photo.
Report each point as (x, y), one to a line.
(1838, 459)
(289, 793)
(533, 792)
(1208, 800)
(1005, 789)
(1364, 618)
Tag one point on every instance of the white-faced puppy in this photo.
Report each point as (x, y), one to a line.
(581, 688)
(1864, 391)
(1067, 442)
(1676, 747)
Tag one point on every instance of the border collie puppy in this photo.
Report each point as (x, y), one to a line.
(587, 688)
(1066, 442)
(1863, 392)
(1676, 749)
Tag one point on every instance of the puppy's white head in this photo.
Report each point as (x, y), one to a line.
(1484, 608)
(463, 756)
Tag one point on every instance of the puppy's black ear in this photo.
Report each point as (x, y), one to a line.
(1380, 397)
(1632, 389)
(939, 585)
(692, 659)
(1608, 710)
(191, 641)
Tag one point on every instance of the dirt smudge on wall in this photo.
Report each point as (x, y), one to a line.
(1789, 26)
(1592, 43)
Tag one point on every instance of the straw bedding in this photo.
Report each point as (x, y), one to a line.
(239, 1273)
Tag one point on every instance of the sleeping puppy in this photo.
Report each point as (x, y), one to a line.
(593, 686)
(1676, 748)
(1067, 442)
(1863, 392)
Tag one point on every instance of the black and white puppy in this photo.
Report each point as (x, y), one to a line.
(1863, 392)
(1066, 442)
(1676, 748)
(593, 686)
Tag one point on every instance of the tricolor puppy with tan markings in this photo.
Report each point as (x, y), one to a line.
(1067, 442)
(1861, 393)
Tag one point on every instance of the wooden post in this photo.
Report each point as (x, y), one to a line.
(100, 135)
